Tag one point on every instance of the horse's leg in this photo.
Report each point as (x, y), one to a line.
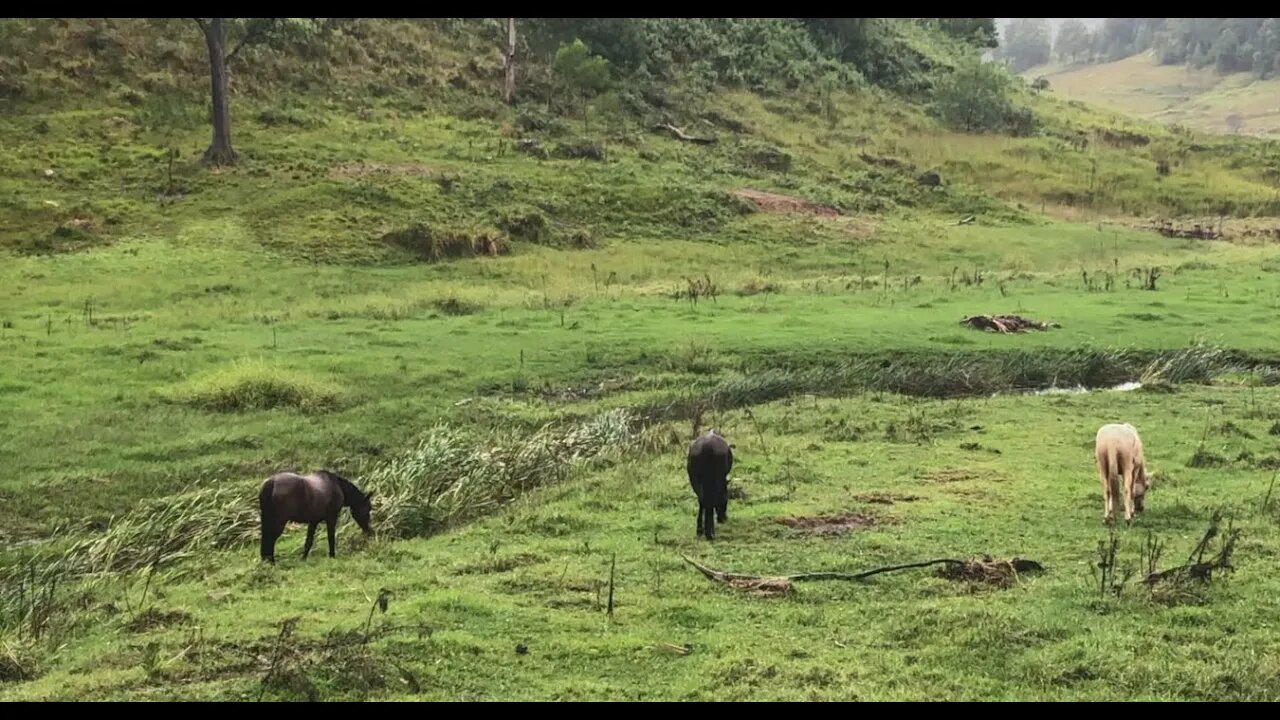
(268, 543)
(722, 510)
(1128, 491)
(331, 526)
(1104, 472)
(311, 538)
(271, 531)
(709, 522)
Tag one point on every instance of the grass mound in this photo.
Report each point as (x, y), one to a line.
(248, 386)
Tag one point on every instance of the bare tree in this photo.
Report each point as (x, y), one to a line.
(220, 151)
(509, 62)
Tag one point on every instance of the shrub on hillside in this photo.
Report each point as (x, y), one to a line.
(976, 98)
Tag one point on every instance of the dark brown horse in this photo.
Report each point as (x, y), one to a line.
(287, 497)
(709, 463)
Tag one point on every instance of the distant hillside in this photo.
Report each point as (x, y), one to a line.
(1173, 94)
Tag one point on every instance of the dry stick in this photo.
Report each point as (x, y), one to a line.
(612, 565)
(755, 424)
(1266, 501)
(722, 576)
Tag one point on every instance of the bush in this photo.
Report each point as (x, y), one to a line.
(448, 478)
(580, 150)
(975, 98)
(766, 157)
(527, 226)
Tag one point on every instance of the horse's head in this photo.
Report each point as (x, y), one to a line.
(360, 512)
(1141, 484)
(359, 502)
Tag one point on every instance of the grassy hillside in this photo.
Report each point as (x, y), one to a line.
(507, 321)
(1172, 94)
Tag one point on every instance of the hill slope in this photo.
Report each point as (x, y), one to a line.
(1172, 94)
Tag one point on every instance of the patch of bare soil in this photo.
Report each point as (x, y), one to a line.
(828, 525)
(365, 169)
(154, 618)
(948, 475)
(883, 498)
(773, 202)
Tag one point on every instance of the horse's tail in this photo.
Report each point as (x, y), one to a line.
(267, 512)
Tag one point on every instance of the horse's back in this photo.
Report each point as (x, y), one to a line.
(710, 452)
(1119, 441)
(306, 497)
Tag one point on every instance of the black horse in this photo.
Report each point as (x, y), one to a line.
(710, 460)
(287, 497)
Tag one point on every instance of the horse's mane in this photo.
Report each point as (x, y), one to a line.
(349, 489)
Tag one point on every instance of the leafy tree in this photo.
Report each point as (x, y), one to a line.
(980, 32)
(1074, 42)
(1026, 43)
(580, 72)
(975, 98)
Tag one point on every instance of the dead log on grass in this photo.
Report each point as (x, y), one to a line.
(983, 569)
(1005, 323)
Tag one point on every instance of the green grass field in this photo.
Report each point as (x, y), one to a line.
(171, 335)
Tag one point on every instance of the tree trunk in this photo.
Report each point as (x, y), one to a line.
(220, 151)
(509, 62)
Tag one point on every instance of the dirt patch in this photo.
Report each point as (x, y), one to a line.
(499, 564)
(592, 390)
(856, 227)
(772, 202)
(986, 570)
(882, 498)
(827, 525)
(978, 447)
(948, 475)
(365, 169)
(1196, 231)
(153, 618)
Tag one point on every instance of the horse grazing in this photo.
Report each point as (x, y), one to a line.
(710, 460)
(287, 497)
(1118, 450)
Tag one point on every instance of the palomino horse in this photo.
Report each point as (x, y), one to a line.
(287, 497)
(1122, 469)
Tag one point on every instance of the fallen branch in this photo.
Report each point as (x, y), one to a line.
(985, 569)
(679, 134)
(681, 650)
(1196, 567)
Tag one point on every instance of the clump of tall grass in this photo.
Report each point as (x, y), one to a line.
(165, 530)
(448, 478)
(18, 660)
(256, 385)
